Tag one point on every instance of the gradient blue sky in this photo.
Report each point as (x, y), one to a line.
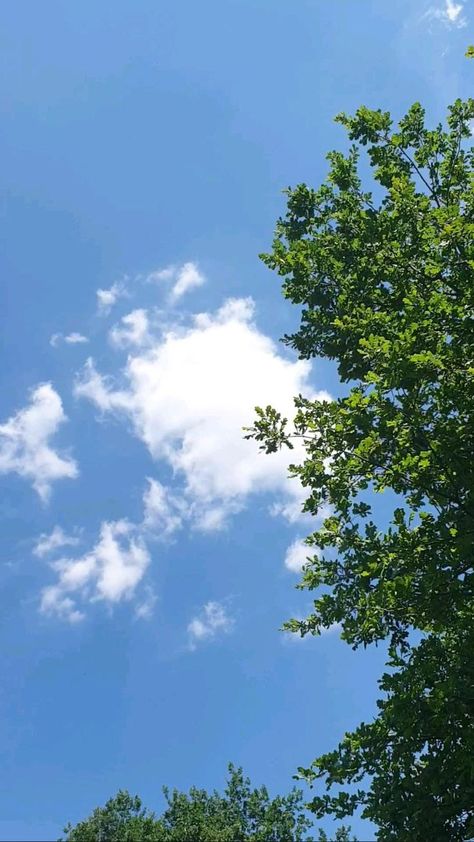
(140, 136)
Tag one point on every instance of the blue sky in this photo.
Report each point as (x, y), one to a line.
(149, 555)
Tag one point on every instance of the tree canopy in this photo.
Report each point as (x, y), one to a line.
(383, 273)
(241, 813)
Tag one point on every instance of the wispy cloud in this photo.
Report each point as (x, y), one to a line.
(188, 277)
(70, 339)
(99, 390)
(211, 621)
(110, 572)
(54, 541)
(106, 298)
(144, 609)
(133, 330)
(160, 275)
(163, 511)
(450, 14)
(25, 442)
(183, 278)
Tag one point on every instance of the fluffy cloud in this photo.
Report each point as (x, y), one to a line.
(184, 278)
(111, 572)
(211, 621)
(188, 396)
(132, 331)
(54, 541)
(25, 442)
(70, 339)
(106, 298)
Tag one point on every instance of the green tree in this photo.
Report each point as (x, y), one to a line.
(385, 280)
(241, 813)
(123, 819)
(342, 835)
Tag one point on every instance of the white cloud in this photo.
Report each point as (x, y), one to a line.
(188, 277)
(111, 572)
(53, 601)
(24, 442)
(290, 508)
(212, 620)
(159, 275)
(144, 610)
(134, 330)
(185, 277)
(450, 14)
(98, 390)
(55, 540)
(188, 396)
(163, 511)
(70, 339)
(297, 555)
(210, 518)
(75, 338)
(106, 298)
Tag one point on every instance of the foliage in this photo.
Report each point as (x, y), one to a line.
(386, 284)
(342, 835)
(241, 813)
(122, 819)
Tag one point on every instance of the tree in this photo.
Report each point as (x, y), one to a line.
(123, 819)
(241, 813)
(342, 835)
(386, 284)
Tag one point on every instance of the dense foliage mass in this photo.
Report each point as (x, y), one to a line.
(386, 284)
(240, 814)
